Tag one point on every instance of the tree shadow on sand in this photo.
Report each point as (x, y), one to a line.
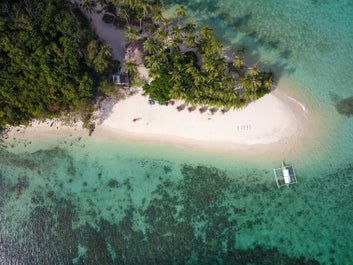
(105, 109)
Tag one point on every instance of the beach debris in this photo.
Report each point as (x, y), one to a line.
(136, 119)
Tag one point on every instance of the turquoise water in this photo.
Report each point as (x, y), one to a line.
(77, 200)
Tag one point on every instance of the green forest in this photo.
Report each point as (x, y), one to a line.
(186, 60)
(51, 62)
(189, 64)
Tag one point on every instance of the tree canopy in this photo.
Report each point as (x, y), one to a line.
(198, 72)
(50, 60)
(188, 64)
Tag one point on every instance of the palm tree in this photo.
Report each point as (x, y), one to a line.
(205, 33)
(153, 64)
(131, 3)
(253, 71)
(191, 41)
(238, 62)
(191, 69)
(157, 15)
(176, 33)
(89, 5)
(199, 78)
(178, 58)
(131, 69)
(177, 91)
(175, 77)
(101, 59)
(256, 82)
(145, 6)
(208, 42)
(131, 34)
(180, 12)
(139, 16)
(268, 83)
(215, 46)
(150, 46)
(189, 28)
(160, 35)
(124, 12)
(208, 64)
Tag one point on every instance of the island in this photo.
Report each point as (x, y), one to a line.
(124, 70)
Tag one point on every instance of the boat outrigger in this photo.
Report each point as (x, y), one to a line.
(285, 175)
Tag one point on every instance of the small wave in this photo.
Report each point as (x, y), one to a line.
(299, 103)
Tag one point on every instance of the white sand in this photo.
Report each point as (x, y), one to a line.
(274, 122)
(266, 121)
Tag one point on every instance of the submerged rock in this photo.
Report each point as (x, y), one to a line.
(345, 106)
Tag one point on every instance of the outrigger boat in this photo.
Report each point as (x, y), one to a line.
(285, 175)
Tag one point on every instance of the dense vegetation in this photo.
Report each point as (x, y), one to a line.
(197, 71)
(186, 63)
(50, 60)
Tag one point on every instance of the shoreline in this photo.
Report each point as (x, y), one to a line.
(271, 130)
(273, 124)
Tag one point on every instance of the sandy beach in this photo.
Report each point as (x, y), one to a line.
(276, 121)
(266, 121)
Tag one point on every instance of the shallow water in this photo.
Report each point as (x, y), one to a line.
(86, 201)
(116, 202)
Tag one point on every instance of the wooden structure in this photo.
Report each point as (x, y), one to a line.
(121, 80)
(285, 175)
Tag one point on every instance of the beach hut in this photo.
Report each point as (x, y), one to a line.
(285, 175)
(121, 80)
